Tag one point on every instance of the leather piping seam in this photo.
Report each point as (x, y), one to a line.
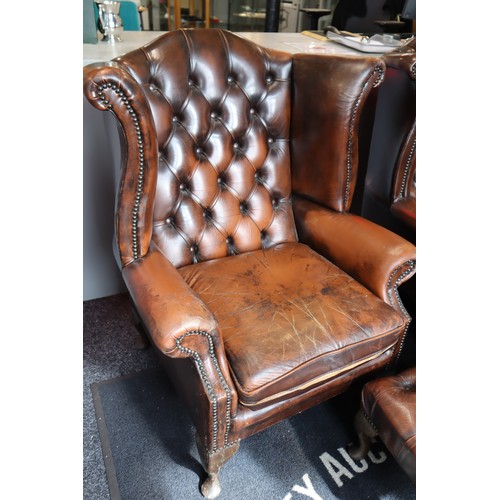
(322, 378)
(140, 178)
(315, 359)
(369, 420)
(206, 382)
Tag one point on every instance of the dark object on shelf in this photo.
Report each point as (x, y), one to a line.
(273, 9)
(315, 15)
(374, 16)
(392, 26)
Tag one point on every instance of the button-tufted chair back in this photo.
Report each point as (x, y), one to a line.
(221, 109)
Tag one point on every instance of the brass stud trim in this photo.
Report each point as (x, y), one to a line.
(140, 144)
(206, 382)
(407, 168)
(411, 266)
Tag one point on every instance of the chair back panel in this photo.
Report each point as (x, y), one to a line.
(221, 107)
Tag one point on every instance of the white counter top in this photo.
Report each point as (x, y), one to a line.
(105, 51)
(287, 42)
(298, 42)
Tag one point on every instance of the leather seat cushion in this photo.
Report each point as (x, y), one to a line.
(291, 320)
(390, 403)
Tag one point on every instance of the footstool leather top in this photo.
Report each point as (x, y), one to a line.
(389, 403)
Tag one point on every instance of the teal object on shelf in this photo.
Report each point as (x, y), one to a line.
(129, 15)
(89, 24)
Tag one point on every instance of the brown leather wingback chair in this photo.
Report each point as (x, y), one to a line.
(262, 295)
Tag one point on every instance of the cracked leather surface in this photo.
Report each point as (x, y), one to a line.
(287, 316)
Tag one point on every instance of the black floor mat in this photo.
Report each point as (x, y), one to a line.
(148, 444)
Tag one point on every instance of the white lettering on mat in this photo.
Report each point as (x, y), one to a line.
(308, 491)
(354, 466)
(335, 468)
(341, 467)
(375, 460)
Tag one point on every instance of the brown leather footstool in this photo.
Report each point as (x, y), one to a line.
(388, 409)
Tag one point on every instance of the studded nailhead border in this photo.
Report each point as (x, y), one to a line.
(369, 420)
(407, 167)
(380, 77)
(206, 382)
(394, 287)
(140, 179)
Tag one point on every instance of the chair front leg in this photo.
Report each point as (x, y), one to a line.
(212, 462)
(212, 439)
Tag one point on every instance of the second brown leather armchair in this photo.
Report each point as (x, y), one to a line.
(262, 295)
(389, 188)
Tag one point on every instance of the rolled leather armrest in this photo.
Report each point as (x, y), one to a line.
(169, 308)
(376, 257)
(180, 325)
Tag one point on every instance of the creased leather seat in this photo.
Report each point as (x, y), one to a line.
(261, 294)
(274, 304)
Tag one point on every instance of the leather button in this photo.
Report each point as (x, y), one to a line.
(243, 207)
(229, 240)
(175, 119)
(169, 221)
(193, 248)
(199, 150)
(214, 115)
(270, 140)
(230, 79)
(236, 146)
(190, 83)
(182, 187)
(269, 79)
(259, 177)
(252, 111)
